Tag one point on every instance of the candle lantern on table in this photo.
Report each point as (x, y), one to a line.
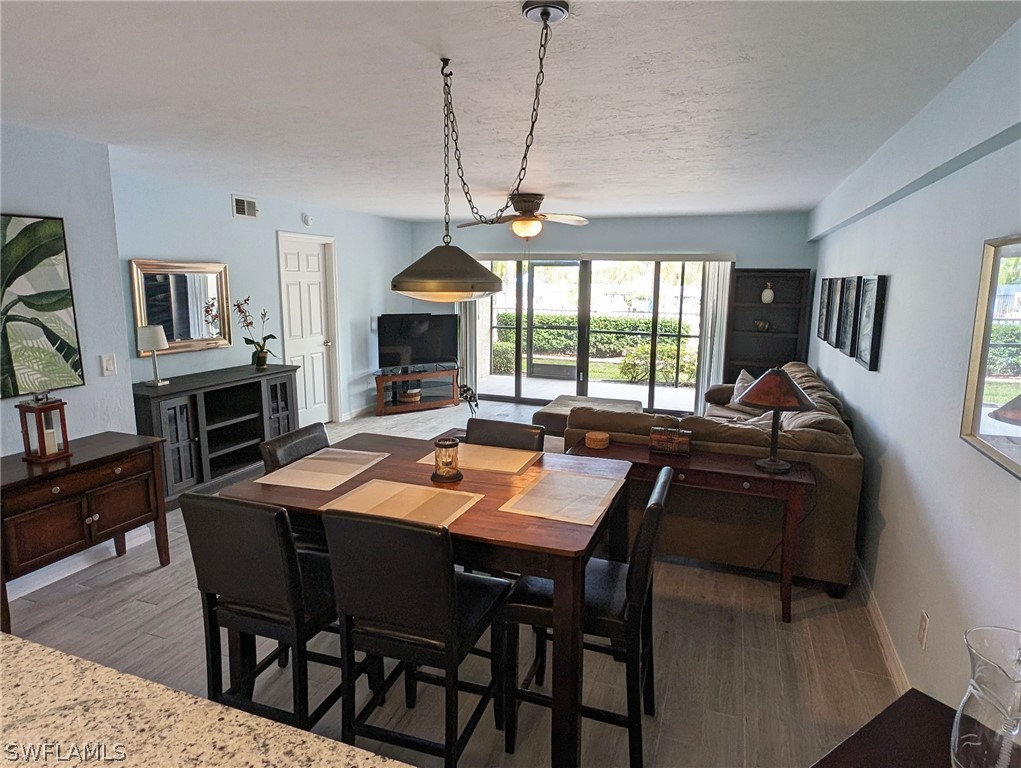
(43, 429)
(445, 466)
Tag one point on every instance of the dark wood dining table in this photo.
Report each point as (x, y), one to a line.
(488, 539)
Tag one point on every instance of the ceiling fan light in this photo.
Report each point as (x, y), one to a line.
(526, 227)
(446, 274)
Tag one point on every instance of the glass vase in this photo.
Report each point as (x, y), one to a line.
(985, 731)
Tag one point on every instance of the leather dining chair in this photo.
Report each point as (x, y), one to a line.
(253, 581)
(399, 596)
(286, 449)
(618, 607)
(505, 434)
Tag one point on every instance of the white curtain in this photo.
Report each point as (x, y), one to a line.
(715, 294)
(466, 311)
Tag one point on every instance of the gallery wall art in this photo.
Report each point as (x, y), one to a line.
(39, 348)
(851, 316)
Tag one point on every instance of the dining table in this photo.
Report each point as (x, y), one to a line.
(486, 538)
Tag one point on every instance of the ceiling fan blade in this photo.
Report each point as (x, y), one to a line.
(564, 218)
(502, 220)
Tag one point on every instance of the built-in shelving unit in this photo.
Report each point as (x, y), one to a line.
(761, 336)
(214, 421)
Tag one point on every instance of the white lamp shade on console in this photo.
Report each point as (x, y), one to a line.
(151, 338)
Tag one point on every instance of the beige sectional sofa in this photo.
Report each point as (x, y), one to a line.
(744, 530)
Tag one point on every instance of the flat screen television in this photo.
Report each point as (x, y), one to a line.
(417, 339)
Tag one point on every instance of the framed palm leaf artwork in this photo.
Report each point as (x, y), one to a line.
(38, 334)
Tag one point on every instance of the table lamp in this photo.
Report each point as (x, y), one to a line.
(775, 391)
(150, 339)
(1009, 412)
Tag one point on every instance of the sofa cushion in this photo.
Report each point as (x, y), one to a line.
(616, 422)
(744, 380)
(719, 394)
(817, 432)
(554, 415)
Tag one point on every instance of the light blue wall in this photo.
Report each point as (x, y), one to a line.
(941, 523)
(756, 240)
(48, 175)
(173, 219)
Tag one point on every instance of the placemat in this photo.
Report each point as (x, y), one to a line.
(323, 469)
(488, 458)
(422, 503)
(565, 496)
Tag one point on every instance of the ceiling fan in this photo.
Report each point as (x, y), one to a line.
(527, 222)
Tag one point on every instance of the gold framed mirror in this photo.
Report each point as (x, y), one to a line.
(992, 401)
(191, 300)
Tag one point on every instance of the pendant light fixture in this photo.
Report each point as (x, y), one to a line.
(447, 273)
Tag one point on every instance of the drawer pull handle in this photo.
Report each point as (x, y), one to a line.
(95, 517)
(746, 485)
(118, 471)
(56, 490)
(88, 520)
(680, 475)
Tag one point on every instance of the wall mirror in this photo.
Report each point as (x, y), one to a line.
(191, 300)
(992, 403)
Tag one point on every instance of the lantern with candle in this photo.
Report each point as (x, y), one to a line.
(44, 428)
(445, 466)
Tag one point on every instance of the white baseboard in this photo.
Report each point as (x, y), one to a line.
(25, 585)
(890, 656)
(367, 410)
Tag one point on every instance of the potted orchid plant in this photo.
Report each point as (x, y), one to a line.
(260, 355)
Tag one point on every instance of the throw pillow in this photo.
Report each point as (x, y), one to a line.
(744, 380)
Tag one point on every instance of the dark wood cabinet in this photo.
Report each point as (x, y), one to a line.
(214, 421)
(111, 484)
(761, 336)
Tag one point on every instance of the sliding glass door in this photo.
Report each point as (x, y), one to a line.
(622, 329)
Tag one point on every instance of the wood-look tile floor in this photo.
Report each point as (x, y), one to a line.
(735, 687)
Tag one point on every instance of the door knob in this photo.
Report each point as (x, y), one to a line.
(88, 520)
(327, 343)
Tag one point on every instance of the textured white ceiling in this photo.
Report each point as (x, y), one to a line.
(648, 107)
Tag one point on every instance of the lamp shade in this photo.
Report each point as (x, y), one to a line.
(151, 337)
(775, 390)
(526, 227)
(1009, 412)
(446, 274)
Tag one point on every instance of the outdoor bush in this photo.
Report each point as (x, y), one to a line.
(503, 358)
(546, 341)
(1004, 361)
(634, 366)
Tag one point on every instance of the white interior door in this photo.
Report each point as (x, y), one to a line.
(306, 295)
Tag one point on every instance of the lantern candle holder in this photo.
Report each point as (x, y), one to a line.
(445, 464)
(43, 429)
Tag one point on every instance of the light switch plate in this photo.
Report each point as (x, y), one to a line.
(108, 364)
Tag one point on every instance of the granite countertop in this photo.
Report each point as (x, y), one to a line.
(77, 707)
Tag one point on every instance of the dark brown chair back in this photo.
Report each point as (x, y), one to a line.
(291, 446)
(397, 574)
(639, 574)
(243, 553)
(505, 434)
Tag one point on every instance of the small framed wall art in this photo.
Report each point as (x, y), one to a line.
(37, 320)
(836, 296)
(824, 295)
(870, 320)
(849, 315)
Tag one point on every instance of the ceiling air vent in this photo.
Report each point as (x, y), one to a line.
(244, 206)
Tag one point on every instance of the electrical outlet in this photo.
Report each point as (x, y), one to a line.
(923, 629)
(108, 364)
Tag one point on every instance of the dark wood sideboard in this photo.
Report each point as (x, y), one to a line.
(214, 421)
(111, 484)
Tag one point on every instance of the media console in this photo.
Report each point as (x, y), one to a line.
(436, 386)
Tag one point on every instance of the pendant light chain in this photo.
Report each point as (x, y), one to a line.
(448, 112)
(450, 132)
